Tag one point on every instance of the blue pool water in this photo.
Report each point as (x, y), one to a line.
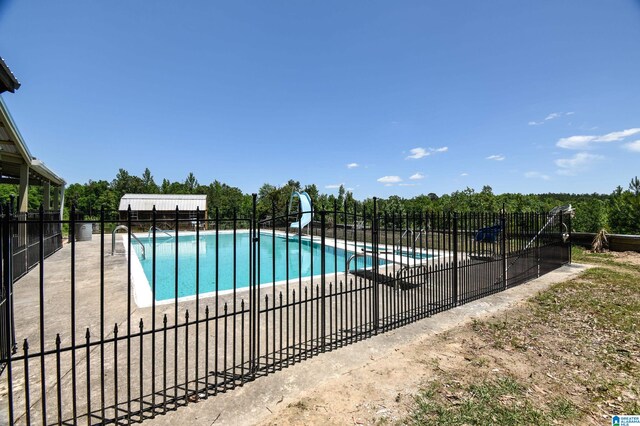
(413, 254)
(300, 258)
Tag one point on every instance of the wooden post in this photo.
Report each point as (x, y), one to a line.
(24, 189)
(46, 196)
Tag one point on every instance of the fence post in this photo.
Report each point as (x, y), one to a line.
(455, 259)
(7, 278)
(374, 266)
(15, 216)
(252, 286)
(504, 246)
(569, 231)
(323, 223)
(561, 246)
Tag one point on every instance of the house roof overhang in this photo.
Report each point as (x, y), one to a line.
(14, 153)
(8, 81)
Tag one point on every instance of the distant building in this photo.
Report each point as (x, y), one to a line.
(190, 207)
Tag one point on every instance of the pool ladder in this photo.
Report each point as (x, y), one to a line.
(414, 235)
(162, 231)
(354, 256)
(113, 240)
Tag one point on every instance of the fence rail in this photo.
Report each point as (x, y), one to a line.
(118, 338)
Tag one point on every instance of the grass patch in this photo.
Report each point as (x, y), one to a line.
(571, 353)
(502, 401)
(301, 405)
(602, 298)
(581, 255)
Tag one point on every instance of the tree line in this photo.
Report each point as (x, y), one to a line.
(618, 212)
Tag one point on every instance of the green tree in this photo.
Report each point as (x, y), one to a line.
(191, 184)
(634, 186)
(124, 183)
(226, 199)
(149, 186)
(590, 216)
(624, 210)
(312, 190)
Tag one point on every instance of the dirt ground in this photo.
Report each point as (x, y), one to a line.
(627, 257)
(561, 358)
(383, 391)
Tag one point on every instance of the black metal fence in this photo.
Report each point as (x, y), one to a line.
(25, 245)
(173, 317)
(26, 240)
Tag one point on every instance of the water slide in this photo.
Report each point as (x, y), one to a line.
(304, 208)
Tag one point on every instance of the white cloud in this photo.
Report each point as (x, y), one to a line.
(536, 175)
(580, 162)
(633, 146)
(584, 141)
(552, 116)
(333, 186)
(496, 157)
(390, 179)
(618, 136)
(464, 174)
(352, 165)
(575, 142)
(416, 176)
(417, 153)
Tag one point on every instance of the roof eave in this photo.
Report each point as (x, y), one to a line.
(8, 81)
(40, 168)
(14, 133)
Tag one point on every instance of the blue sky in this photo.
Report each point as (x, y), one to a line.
(394, 97)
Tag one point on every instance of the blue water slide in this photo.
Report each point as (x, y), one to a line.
(304, 208)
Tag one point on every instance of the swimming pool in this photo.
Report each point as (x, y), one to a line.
(303, 261)
(414, 254)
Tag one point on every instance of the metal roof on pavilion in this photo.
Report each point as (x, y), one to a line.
(163, 202)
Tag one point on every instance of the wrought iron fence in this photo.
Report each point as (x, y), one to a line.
(174, 316)
(26, 240)
(26, 244)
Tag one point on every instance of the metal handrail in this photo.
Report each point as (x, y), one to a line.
(353, 256)
(414, 235)
(113, 240)
(404, 269)
(162, 231)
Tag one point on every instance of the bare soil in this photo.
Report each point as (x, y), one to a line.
(567, 347)
(630, 257)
